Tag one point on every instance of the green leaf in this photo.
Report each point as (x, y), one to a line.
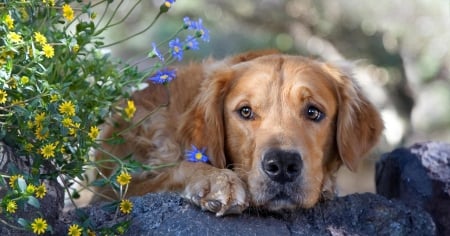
(22, 184)
(34, 202)
(23, 222)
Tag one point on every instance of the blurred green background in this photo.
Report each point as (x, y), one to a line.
(399, 50)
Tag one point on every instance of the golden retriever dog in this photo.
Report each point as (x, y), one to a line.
(275, 128)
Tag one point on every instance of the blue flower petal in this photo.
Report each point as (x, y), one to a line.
(163, 76)
(196, 155)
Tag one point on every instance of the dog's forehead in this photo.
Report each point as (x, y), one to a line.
(283, 80)
(283, 71)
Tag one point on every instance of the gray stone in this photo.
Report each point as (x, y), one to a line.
(420, 177)
(358, 214)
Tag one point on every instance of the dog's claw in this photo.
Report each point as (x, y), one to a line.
(214, 205)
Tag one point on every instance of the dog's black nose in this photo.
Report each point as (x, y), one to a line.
(282, 166)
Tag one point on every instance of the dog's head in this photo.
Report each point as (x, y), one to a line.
(283, 123)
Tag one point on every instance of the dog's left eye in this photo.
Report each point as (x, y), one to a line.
(314, 114)
(246, 113)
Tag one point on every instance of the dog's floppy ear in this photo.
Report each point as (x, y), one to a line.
(359, 125)
(202, 124)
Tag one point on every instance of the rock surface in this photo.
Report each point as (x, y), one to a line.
(358, 214)
(420, 177)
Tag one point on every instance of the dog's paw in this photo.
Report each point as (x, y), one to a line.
(220, 191)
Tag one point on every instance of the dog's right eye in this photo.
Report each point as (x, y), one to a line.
(246, 113)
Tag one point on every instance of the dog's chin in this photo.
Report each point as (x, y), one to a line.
(281, 201)
(278, 202)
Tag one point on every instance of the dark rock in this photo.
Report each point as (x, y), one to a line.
(420, 177)
(358, 214)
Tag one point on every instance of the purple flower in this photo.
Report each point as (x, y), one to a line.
(191, 43)
(163, 76)
(196, 155)
(176, 48)
(197, 26)
(201, 31)
(155, 52)
(187, 22)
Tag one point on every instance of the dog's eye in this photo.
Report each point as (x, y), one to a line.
(246, 113)
(314, 114)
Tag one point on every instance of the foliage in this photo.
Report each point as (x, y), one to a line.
(57, 85)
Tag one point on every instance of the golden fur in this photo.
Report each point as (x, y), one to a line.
(275, 127)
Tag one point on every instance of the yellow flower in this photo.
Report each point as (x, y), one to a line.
(126, 206)
(124, 178)
(30, 124)
(93, 15)
(73, 131)
(40, 38)
(120, 230)
(11, 207)
(39, 226)
(24, 79)
(12, 83)
(13, 179)
(67, 122)
(50, 2)
(130, 109)
(90, 232)
(54, 97)
(40, 191)
(30, 188)
(93, 133)
(74, 230)
(9, 21)
(14, 37)
(68, 12)
(40, 135)
(48, 150)
(3, 96)
(29, 147)
(49, 52)
(24, 14)
(39, 119)
(76, 48)
(67, 108)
